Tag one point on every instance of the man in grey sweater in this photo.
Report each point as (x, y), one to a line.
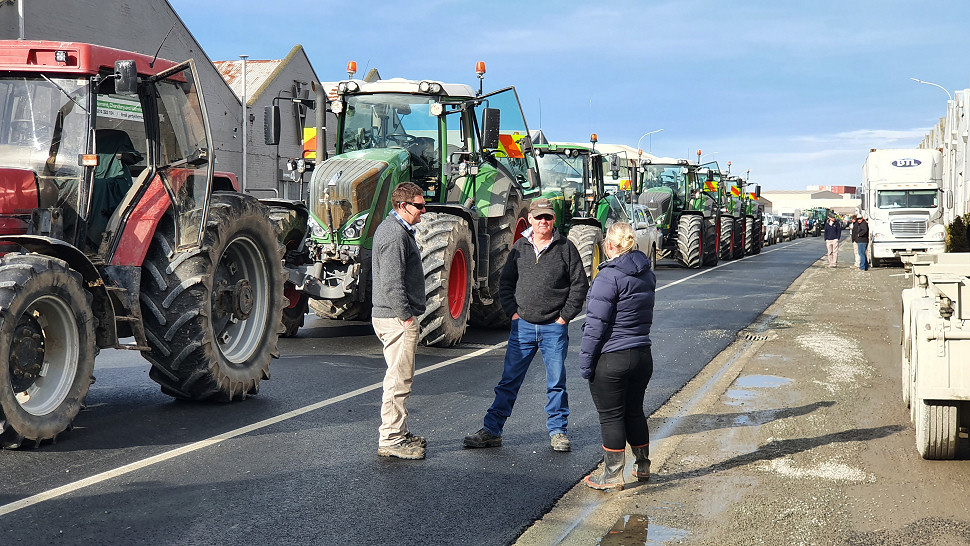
(398, 300)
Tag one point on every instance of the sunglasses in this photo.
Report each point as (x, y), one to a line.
(419, 206)
(546, 217)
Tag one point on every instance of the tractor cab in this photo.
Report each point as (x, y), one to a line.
(78, 147)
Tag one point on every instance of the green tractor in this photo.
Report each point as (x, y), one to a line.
(678, 194)
(573, 177)
(472, 155)
(753, 217)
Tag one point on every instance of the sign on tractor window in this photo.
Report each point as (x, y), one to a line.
(119, 108)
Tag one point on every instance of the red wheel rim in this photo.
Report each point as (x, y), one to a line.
(457, 284)
(291, 294)
(520, 226)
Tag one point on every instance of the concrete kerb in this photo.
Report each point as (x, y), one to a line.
(583, 515)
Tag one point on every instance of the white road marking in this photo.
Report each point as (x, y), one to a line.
(195, 446)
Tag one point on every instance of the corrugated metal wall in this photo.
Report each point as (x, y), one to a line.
(951, 135)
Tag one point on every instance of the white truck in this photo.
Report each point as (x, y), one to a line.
(901, 200)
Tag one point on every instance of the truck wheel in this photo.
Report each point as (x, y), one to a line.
(710, 241)
(653, 258)
(502, 233)
(447, 254)
(212, 315)
(748, 236)
(295, 310)
(936, 429)
(737, 249)
(727, 236)
(46, 348)
(589, 242)
(690, 246)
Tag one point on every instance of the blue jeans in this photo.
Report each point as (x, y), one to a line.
(524, 340)
(863, 261)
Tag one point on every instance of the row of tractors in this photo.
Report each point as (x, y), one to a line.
(118, 232)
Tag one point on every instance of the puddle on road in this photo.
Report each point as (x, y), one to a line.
(636, 529)
(740, 394)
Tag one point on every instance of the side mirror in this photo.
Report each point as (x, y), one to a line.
(271, 125)
(533, 178)
(757, 191)
(126, 78)
(490, 128)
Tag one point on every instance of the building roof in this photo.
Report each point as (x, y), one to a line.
(259, 74)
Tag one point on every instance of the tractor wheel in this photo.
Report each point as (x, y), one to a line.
(748, 236)
(690, 246)
(710, 242)
(447, 256)
(757, 237)
(295, 310)
(727, 237)
(47, 348)
(345, 308)
(502, 233)
(737, 248)
(212, 315)
(936, 429)
(589, 243)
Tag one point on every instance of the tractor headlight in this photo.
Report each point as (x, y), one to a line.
(355, 228)
(316, 230)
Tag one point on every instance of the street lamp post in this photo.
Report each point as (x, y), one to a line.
(948, 95)
(649, 142)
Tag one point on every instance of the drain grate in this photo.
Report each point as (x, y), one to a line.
(748, 336)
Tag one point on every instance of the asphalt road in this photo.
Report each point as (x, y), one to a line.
(298, 463)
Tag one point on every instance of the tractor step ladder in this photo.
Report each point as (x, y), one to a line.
(134, 320)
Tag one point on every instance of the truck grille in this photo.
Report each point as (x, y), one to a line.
(908, 228)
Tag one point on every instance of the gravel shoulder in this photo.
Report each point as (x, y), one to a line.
(795, 434)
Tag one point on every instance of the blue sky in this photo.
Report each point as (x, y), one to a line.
(795, 92)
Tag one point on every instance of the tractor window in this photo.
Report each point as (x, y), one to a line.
(563, 172)
(515, 145)
(123, 113)
(183, 153)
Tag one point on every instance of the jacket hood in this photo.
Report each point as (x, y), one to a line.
(631, 263)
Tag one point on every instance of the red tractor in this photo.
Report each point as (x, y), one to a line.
(114, 227)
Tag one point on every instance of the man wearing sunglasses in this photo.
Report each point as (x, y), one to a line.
(543, 287)
(398, 300)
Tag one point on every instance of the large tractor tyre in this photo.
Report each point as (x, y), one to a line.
(295, 310)
(936, 429)
(757, 236)
(345, 308)
(589, 242)
(748, 236)
(710, 242)
(47, 348)
(212, 315)
(737, 248)
(727, 238)
(690, 244)
(447, 258)
(502, 233)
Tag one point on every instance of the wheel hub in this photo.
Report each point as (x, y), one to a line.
(26, 354)
(237, 300)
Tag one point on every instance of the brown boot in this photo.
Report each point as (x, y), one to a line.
(612, 476)
(641, 467)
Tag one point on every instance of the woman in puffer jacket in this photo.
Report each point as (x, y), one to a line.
(615, 354)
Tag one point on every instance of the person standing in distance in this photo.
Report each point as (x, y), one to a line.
(833, 235)
(860, 236)
(398, 300)
(542, 288)
(615, 354)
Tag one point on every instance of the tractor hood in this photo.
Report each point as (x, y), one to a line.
(355, 182)
(657, 201)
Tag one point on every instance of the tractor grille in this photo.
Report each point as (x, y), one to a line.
(354, 189)
(908, 228)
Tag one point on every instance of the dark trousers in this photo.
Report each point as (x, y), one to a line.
(618, 385)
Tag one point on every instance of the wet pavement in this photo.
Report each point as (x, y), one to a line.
(794, 434)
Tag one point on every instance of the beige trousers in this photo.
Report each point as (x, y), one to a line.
(832, 251)
(399, 343)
